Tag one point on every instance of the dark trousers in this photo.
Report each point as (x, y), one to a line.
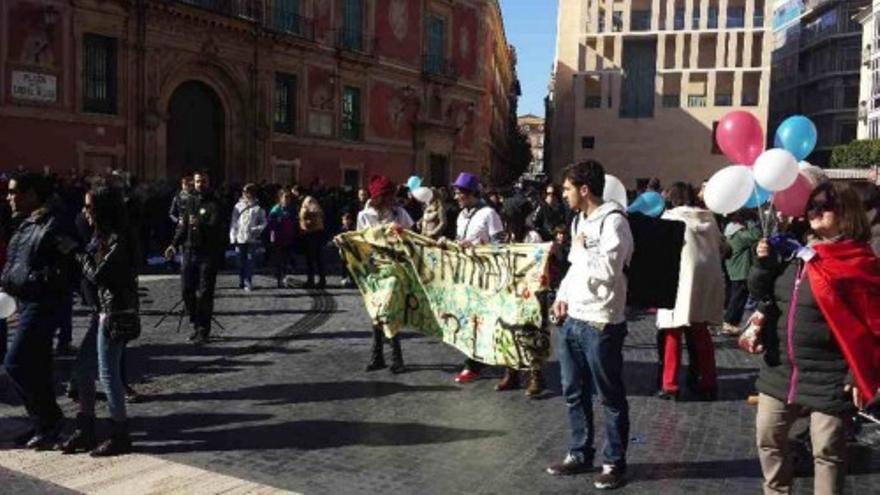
(313, 244)
(736, 304)
(65, 319)
(29, 362)
(199, 273)
(4, 337)
(591, 362)
(282, 261)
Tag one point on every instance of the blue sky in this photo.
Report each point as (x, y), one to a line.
(530, 26)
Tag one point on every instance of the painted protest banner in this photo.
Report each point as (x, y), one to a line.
(481, 300)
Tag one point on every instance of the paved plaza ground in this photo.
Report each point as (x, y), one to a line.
(280, 401)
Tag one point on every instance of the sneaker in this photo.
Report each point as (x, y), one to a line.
(466, 376)
(667, 395)
(730, 330)
(572, 464)
(610, 478)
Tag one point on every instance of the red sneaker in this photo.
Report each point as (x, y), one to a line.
(466, 376)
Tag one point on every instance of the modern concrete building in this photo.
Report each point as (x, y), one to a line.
(532, 127)
(869, 77)
(640, 84)
(278, 90)
(816, 62)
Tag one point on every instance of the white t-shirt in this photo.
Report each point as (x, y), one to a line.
(478, 225)
(371, 217)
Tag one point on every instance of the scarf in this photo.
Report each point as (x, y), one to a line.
(845, 278)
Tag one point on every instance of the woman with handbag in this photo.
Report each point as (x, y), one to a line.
(109, 267)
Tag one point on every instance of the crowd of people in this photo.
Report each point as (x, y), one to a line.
(84, 235)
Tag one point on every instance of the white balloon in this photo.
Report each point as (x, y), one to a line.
(729, 189)
(776, 170)
(423, 194)
(614, 190)
(7, 305)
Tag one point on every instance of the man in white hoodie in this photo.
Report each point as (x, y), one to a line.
(245, 228)
(592, 300)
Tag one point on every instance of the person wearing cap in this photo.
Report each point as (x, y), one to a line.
(477, 223)
(380, 211)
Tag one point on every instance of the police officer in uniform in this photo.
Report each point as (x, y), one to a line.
(200, 236)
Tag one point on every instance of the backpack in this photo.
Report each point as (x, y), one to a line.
(652, 272)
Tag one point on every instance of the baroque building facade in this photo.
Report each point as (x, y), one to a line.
(306, 91)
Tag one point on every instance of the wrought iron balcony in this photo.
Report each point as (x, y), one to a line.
(290, 23)
(246, 9)
(696, 101)
(354, 40)
(438, 66)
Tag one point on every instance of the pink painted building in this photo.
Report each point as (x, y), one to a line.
(281, 90)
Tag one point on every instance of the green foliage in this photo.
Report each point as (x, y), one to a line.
(857, 154)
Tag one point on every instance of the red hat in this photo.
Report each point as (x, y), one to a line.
(380, 185)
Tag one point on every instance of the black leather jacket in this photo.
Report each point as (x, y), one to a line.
(200, 229)
(111, 270)
(39, 264)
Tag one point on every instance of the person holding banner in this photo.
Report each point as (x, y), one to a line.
(478, 223)
(381, 211)
(592, 300)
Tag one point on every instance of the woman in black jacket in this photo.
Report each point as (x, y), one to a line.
(805, 371)
(109, 266)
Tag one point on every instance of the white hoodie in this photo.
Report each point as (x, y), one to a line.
(595, 285)
(247, 224)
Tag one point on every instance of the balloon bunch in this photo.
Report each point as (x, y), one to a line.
(421, 194)
(774, 175)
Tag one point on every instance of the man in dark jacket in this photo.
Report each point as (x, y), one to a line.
(200, 234)
(37, 273)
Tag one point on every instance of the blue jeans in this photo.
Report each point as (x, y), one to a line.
(29, 362)
(246, 254)
(101, 357)
(591, 361)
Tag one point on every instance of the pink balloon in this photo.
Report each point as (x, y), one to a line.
(792, 202)
(740, 137)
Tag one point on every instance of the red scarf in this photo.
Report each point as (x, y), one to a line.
(845, 278)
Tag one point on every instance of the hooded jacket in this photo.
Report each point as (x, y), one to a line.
(700, 296)
(601, 247)
(248, 222)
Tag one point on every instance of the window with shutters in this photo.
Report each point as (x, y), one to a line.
(99, 74)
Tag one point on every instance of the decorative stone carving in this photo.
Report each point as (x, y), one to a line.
(321, 96)
(395, 108)
(398, 18)
(37, 47)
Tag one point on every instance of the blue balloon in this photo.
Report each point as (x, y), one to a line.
(414, 183)
(797, 135)
(758, 198)
(649, 203)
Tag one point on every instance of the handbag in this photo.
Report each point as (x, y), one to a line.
(124, 326)
(750, 340)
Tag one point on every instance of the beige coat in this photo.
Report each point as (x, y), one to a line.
(700, 297)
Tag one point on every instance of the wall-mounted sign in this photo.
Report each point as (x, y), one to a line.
(34, 87)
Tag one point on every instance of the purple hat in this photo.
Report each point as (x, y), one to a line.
(467, 182)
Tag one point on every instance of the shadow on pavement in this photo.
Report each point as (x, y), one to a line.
(303, 435)
(735, 468)
(297, 393)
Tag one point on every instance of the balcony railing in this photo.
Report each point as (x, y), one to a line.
(696, 101)
(722, 100)
(352, 130)
(671, 101)
(593, 102)
(354, 40)
(270, 15)
(438, 66)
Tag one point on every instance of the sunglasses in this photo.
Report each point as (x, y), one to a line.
(818, 207)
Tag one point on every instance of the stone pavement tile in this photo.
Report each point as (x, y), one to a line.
(281, 399)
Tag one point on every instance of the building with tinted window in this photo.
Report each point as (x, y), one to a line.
(640, 84)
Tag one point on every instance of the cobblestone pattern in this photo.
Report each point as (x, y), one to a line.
(281, 398)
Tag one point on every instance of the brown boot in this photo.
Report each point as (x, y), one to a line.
(509, 382)
(536, 384)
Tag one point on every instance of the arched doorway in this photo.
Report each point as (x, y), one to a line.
(196, 125)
